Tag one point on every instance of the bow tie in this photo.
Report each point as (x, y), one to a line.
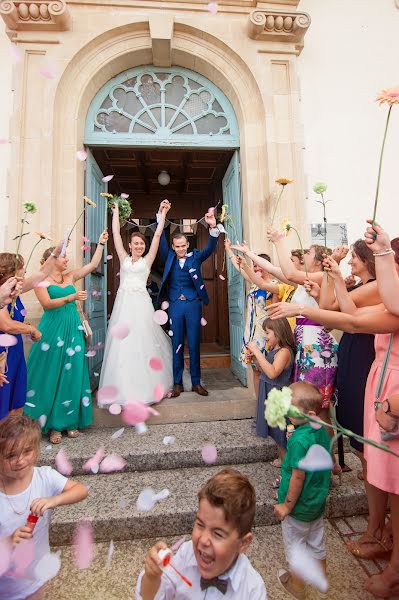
(220, 584)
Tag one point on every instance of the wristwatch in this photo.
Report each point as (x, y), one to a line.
(386, 407)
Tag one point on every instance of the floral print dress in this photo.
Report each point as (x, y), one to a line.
(256, 313)
(316, 357)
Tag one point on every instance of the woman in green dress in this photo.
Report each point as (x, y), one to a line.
(58, 378)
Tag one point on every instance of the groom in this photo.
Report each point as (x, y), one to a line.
(186, 292)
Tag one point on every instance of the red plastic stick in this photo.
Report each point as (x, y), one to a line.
(166, 562)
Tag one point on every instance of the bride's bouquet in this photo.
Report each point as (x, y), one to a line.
(125, 209)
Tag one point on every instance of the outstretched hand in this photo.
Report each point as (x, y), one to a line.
(339, 253)
(210, 219)
(331, 267)
(240, 247)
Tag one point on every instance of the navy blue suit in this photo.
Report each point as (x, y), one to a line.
(185, 315)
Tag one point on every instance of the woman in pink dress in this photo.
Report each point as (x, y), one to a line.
(382, 468)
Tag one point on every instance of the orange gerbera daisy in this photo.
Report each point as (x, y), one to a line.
(389, 96)
(284, 181)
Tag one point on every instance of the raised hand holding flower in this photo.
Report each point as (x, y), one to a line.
(376, 238)
(240, 247)
(312, 288)
(339, 253)
(274, 236)
(331, 267)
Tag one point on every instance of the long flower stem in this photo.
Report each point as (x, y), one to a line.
(380, 165)
(16, 259)
(31, 253)
(302, 250)
(77, 220)
(325, 222)
(277, 203)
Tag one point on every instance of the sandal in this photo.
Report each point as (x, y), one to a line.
(73, 433)
(336, 471)
(55, 437)
(284, 579)
(380, 588)
(376, 548)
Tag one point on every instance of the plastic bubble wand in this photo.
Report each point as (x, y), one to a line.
(166, 557)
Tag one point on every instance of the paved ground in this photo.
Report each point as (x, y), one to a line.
(347, 575)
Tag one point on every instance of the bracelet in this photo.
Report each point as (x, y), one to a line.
(101, 243)
(384, 253)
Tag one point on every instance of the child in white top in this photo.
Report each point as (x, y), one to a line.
(213, 561)
(27, 490)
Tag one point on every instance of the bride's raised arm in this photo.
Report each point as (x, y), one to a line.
(152, 252)
(116, 233)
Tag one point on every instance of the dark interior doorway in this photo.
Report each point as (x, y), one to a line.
(195, 185)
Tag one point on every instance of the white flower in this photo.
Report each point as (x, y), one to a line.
(277, 406)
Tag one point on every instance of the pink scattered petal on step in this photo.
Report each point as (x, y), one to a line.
(156, 364)
(111, 463)
(107, 178)
(135, 412)
(178, 348)
(63, 463)
(165, 305)
(107, 394)
(83, 545)
(81, 155)
(115, 409)
(209, 454)
(204, 322)
(117, 434)
(7, 340)
(159, 392)
(160, 317)
(119, 331)
(94, 460)
(125, 196)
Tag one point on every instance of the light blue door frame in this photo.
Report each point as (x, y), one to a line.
(96, 283)
(236, 288)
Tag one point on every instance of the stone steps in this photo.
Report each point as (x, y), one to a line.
(111, 505)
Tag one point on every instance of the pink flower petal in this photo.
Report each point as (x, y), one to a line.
(204, 322)
(24, 312)
(178, 348)
(85, 239)
(222, 277)
(195, 276)
(156, 364)
(16, 53)
(165, 305)
(134, 412)
(81, 155)
(109, 257)
(211, 210)
(213, 8)
(107, 394)
(112, 462)
(90, 353)
(63, 463)
(94, 460)
(202, 286)
(115, 409)
(83, 545)
(107, 178)
(159, 392)
(125, 196)
(49, 71)
(209, 454)
(120, 331)
(7, 340)
(4, 141)
(94, 293)
(160, 317)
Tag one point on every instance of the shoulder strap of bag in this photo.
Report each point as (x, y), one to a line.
(384, 369)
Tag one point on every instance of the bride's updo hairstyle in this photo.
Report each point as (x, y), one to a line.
(139, 235)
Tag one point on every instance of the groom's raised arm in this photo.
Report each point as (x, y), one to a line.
(163, 244)
(212, 239)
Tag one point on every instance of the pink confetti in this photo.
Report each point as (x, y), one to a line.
(23, 555)
(222, 277)
(81, 155)
(159, 392)
(195, 276)
(209, 454)
(202, 286)
(94, 293)
(24, 312)
(160, 317)
(85, 248)
(211, 210)
(7, 340)
(120, 331)
(83, 545)
(112, 462)
(165, 305)
(107, 394)
(63, 464)
(115, 409)
(213, 8)
(109, 257)
(156, 364)
(16, 53)
(178, 348)
(49, 71)
(107, 178)
(4, 141)
(90, 353)
(85, 239)
(94, 460)
(5, 554)
(125, 196)
(42, 284)
(204, 322)
(137, 412)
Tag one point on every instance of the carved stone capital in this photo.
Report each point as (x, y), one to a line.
(35, 15)
(278, 26)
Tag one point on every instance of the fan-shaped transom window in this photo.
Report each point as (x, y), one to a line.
(150, 105)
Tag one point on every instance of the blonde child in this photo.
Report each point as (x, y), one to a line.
(26, 491)
(276, 366)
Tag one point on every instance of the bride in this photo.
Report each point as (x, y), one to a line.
(126, 363)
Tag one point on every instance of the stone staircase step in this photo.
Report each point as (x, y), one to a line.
(111, 505)
(235, 440)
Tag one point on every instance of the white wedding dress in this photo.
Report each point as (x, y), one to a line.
(126, 363)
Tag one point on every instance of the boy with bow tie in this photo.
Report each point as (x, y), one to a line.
(213, 561)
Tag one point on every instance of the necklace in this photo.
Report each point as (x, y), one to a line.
(17, 512)
(59, 282)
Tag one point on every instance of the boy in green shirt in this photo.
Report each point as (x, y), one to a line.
(302, 494)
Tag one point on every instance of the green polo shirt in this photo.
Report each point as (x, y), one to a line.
(311, 503)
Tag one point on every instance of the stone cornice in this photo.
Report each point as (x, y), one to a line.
(278, 26)
(35, 15)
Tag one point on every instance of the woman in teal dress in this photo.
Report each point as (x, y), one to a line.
(58, 378)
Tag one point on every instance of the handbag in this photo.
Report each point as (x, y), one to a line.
(394, 433)
(87, 330)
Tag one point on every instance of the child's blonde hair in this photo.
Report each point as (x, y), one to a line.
(282, 331)
(308, 396)
(16, 431)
